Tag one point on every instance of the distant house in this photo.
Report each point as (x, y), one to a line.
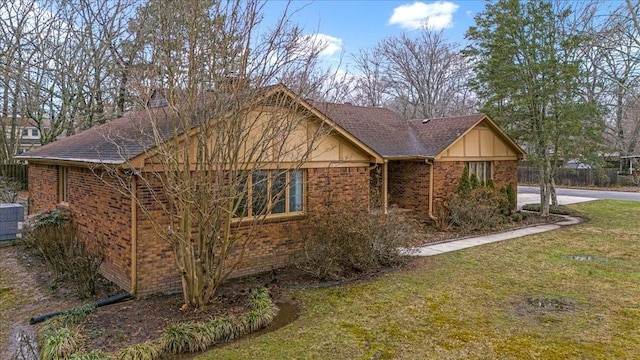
(416, 164)
(27, 135)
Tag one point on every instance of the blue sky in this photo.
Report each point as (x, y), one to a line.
(352, 25)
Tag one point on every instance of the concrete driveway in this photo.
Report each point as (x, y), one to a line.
(562, 199)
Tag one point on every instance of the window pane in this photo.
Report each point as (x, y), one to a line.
(242, 208)
(25, 132)
(488, 170)
(295, 191)
(34, 132)
(278, 193)
(480, 172)
(259, 194)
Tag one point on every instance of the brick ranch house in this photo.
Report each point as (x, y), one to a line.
(418, 163)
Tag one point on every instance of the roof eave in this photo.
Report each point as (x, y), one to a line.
(58, 160)
(408, 157)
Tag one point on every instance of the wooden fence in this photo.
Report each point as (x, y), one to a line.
(16, 172)
(575, 177)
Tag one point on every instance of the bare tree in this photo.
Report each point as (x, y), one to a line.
(58, 68)
(617, 59)
(426, 76)
(225, 147)
(370, 85)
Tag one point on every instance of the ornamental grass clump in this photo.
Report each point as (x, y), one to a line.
(60, 343)
(94, 355)
(142, 351)
(59, 337)
(190, 337)
(186, 337)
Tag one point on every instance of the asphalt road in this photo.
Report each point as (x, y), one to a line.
(596, 194)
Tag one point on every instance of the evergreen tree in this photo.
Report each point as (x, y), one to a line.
(529, 75)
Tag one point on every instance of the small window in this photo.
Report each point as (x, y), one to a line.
(63, 184)
(25, 132)
(482, 169)
(270, 192)
(35, 132)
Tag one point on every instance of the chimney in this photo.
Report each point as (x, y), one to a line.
(157, 100)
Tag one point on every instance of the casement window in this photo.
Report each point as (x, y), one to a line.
(25, 132)
(63, 184)
(271, 192)
(35, 132)
(482, 169)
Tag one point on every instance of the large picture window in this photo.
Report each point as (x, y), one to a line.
(482, 169)
(271, 192)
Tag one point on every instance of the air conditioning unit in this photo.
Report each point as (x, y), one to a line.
(11, 221)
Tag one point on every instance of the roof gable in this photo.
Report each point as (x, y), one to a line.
(393, 137)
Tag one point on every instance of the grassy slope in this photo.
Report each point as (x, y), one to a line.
(471, 304)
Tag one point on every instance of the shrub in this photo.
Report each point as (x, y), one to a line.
(481, 209)
(53, 237)
(464, 185)
(346, 238)
(511, 195)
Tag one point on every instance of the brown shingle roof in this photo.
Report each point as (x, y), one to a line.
(392, 136)
(122, 139)
(112, 143)
(382, 130)
(437, 134)
(379, 128)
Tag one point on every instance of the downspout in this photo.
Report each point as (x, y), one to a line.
(431, 167)
(385, 187)
(134, 236)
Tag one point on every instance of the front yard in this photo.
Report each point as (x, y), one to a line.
(572, 293)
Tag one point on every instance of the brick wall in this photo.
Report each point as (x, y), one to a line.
(447, 175)
(505, 173)
(409, 186)
(100, 211)
(43, 187)
(103, 216)
(269, 246)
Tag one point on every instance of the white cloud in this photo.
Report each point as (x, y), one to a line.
(436, 16)
(327, 45)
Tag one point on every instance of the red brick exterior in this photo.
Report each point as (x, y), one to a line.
(101, 212)
(103, 215)
(409, 186)
(270, 245)
(409, 182)
(43, 187)
(447, 175)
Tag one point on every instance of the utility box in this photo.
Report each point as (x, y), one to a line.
(11, 221)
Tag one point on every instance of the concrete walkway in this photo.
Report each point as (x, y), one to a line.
(454, 245)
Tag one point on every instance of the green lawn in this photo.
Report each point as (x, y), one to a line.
(483, 302)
